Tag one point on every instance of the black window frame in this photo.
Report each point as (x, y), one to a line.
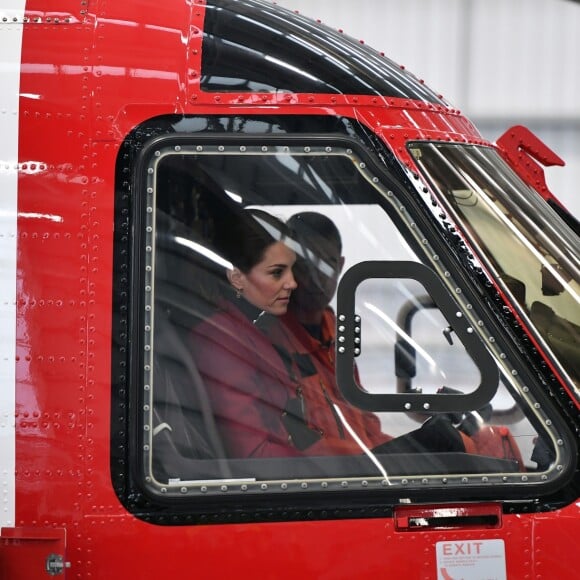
(127, 436)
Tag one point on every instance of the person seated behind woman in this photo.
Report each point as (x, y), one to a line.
(310, 327)
(259, 400)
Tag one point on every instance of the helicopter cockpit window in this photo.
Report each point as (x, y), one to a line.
(541, 268)
(301, 333)
(283, 51)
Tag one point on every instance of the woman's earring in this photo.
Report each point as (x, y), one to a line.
(239, 292)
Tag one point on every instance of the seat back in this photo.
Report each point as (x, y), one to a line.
(184, 428)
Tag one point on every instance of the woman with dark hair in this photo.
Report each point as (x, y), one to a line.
(248, 383)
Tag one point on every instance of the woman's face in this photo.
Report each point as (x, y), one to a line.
(269, 283)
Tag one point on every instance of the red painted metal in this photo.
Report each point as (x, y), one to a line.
(92, 92)
(522, 149)
(32, 553)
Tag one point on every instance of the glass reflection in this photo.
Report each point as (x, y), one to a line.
(533, 253)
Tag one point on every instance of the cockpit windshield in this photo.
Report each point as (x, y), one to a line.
(523, 242)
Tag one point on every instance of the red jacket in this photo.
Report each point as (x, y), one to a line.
(251, 384)
(246, 382)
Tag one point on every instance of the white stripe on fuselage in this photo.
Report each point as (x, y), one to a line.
(11, 18)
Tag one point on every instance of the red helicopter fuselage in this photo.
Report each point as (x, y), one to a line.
(103, 90)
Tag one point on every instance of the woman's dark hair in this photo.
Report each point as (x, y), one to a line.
(243, 237)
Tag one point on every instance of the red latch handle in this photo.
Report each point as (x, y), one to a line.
(521, 148)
